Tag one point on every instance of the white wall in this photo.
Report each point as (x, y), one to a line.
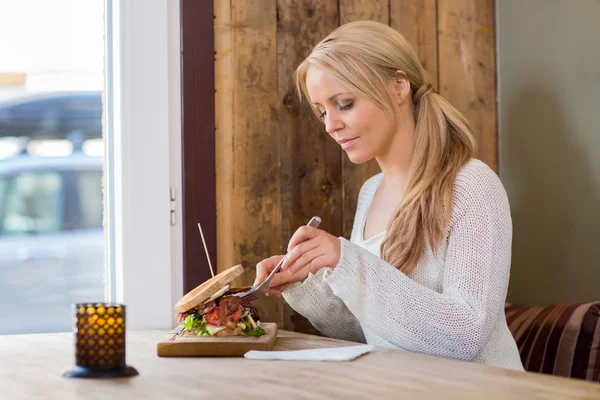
(549, 81)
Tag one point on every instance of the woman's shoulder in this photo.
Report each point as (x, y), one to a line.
(477, 185)
(477, 175)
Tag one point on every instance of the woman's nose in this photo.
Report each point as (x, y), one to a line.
(332, 123)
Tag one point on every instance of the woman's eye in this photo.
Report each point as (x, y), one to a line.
(340, 107)
(346, 107)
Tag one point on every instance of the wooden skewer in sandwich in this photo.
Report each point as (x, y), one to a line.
(210, 310)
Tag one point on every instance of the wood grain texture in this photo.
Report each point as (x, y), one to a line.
(311, 168)
(355, 10)
(38, 361)
(467, 68)
(174, 345)
(224, 86)
(354, 175)
(416, 20)
(256, 206)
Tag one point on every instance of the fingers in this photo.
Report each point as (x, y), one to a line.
(282, 278)
(264, 268)
(298, 251)
(318, 252)
(302, 234)
(305, 259)
(318, 263)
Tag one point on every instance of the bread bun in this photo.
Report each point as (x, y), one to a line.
(205, 290)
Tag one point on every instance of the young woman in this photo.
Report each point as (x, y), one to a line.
(427, 266)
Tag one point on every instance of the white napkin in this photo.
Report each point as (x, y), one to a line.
(327, 354)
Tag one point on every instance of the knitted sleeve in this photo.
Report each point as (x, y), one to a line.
(457, 321)
(314, 300)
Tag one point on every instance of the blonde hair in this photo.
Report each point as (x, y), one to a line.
(365, 56)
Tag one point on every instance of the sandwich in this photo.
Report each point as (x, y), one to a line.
(211, 310)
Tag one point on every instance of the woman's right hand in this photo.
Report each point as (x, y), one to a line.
(281, 280)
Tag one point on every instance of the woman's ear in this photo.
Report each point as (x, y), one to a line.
(401, 87)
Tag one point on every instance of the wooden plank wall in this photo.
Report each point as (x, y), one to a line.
(354, 174)
(276, 165)
(467, 67)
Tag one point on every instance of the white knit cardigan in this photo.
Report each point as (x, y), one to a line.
(450, 305)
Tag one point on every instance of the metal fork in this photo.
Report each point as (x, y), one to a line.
(257, 291)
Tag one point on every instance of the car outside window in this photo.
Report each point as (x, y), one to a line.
(34, 204)
(89, 190)
(3, 184)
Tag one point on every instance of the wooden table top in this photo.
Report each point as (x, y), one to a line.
(31, 367)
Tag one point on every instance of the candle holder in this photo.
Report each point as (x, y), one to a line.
(99, 341)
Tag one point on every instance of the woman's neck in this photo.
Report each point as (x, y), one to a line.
(395, 162)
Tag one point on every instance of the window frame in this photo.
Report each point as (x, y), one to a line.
(198, 137)
(142, 106)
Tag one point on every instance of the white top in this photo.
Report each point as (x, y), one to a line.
(450, 305)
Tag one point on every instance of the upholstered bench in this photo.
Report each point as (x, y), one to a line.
(560, 339)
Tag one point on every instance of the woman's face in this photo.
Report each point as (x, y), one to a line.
(361, 128)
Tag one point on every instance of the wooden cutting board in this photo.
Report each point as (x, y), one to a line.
(174, 345)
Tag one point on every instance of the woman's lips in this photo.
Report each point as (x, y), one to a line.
(345, 143)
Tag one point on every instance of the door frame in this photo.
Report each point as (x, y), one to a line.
(198, 140)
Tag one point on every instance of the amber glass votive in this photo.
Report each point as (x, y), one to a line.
(100, 341)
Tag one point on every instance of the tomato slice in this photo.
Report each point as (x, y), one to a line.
(237, 315)
(213, 317)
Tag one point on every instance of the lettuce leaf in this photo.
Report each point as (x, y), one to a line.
(258, 331)
(196, 324)
(202, 331)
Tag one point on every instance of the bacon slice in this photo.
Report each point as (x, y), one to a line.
(182, 316)
(229, 308)
(208, 307)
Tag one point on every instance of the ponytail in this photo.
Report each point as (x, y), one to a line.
(444, 143)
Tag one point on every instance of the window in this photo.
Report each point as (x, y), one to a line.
(3, 184)
(52, 87)
(93, 64)
(34, 204)
(89, 195)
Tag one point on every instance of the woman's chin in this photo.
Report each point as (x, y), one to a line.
(357, 157)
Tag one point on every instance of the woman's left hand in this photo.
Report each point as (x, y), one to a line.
(311, 247)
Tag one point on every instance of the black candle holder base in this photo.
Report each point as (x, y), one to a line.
(82, 372)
